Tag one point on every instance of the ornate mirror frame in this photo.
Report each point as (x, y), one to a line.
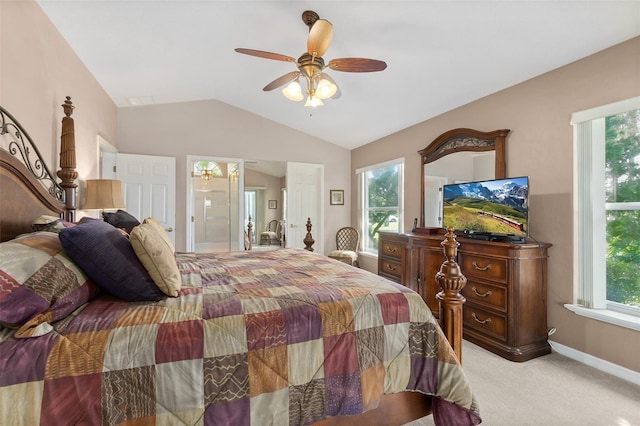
(462, 139)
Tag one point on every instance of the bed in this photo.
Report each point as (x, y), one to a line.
(245, 338)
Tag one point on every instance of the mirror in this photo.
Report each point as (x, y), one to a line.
(458, 155)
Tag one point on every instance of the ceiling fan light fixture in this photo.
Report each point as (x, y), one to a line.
(313, 101)
(326, 89)
(293, 91)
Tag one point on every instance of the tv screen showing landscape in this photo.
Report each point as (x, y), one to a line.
(497, 207)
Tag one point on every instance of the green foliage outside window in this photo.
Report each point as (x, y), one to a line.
(623, 226)
(382, 199)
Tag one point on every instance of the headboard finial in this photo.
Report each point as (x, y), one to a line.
(68, 106)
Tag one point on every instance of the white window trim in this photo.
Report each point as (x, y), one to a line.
(361, 199)
(590, 276)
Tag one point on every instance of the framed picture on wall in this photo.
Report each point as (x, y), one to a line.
(336, 197)
(273, 204)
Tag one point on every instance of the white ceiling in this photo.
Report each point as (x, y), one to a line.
(440, 54)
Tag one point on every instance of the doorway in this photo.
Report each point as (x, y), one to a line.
(216, 198)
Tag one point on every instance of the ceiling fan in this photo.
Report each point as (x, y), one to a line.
(311, 66)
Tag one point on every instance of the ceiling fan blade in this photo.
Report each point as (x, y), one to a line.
(320, 35)
(263, 54)
(281, 81)
(357, 65)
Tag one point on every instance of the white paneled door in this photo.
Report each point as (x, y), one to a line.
(305, 183)
(149, 186)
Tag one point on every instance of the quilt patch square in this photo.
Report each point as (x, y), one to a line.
(394, 307)
(122, 396)
(179, 341)
(271, 408)
(102, 314)
(268, 370)
(370, 347)
(266, 330)
(21, 398)
(221, 305)
(343, 395)
(306, 361)
(232, 413)
(29, 355)
(83, 354)
(341, 355)
(72, 400)
(307, 402)
(225, 336)
(175, 390)
(139, 314)
(337, 317)
(226, 378)
(303, 323)
(131, 347)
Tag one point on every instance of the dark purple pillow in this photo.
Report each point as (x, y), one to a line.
(106, 256)
(121, 219)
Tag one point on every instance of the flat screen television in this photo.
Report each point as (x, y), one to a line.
(496, 210)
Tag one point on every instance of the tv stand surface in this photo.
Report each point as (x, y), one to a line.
(501, 238)
(506, 289)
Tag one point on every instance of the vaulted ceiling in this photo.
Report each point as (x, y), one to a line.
(440, 54)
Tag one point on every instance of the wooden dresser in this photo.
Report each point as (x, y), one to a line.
(506, 291)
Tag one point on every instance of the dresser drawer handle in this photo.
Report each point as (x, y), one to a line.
(485, 321)
(475, 291)
(481, 268)
(391, 267)
(392, 249)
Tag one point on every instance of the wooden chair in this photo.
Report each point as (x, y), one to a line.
(347, 242)
(271, 234)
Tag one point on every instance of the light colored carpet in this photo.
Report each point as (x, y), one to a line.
(549, 390)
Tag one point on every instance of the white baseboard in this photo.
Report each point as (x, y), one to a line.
(600, 364)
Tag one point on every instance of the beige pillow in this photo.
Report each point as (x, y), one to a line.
(157, 257)
(161, 231)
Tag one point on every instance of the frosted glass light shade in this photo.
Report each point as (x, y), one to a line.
(313, 102)
(326, 89)
(104, 194)
(293, 91)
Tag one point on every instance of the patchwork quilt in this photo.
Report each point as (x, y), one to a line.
(283, 337)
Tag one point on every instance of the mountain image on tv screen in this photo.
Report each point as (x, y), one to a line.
(499, 207)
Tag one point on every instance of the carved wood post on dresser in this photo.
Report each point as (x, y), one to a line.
(506, 293)
(451, 281)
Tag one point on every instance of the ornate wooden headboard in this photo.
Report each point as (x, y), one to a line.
(28, 187)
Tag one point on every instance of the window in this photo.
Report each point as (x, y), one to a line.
(381, 189)
(608, 206)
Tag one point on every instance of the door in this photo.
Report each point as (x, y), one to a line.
(149, 187)
(433, 201)
(305, 186)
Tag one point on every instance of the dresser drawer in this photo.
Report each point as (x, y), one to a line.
(486, 322)
(390, 269)
(391, 249)
(491, 296)
(488, 268)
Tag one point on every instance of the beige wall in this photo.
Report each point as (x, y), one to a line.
(541, 146)
(212, 128)
(38, 70)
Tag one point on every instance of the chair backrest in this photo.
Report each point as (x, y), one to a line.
(272, 226)
(347, 238)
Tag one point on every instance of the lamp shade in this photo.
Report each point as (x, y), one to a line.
(104, 194)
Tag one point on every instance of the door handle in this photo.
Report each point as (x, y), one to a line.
(169, 229)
